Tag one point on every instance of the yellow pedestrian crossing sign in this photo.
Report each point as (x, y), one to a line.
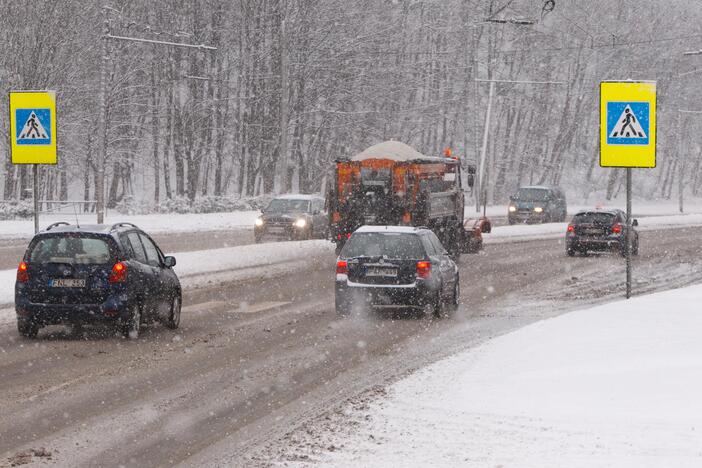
(628, 124)
(33, 127)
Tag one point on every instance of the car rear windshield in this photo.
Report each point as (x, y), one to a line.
(280, 205)
(532, 194)
(391, 245)
(71, 248)
(593, 218)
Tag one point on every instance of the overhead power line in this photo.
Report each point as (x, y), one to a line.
(618, 44)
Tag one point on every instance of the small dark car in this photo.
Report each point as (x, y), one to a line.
(98, 274)
(293, 217)
(600, 230)
(385, 266)
(537, 205)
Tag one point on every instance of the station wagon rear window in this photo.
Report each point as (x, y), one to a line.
(593, 218)
(73, 249)
(391, 245)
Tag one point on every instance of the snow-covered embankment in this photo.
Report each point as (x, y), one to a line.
(615, 385)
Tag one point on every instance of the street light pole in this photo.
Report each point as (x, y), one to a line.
(482, 190)
(102, 117)
(681, 169)
(483, 151)
(102, 123)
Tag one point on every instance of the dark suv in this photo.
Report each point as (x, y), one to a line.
(537, 205)
(383, 266)
(95, 274)
(600, 230)
(293, 217)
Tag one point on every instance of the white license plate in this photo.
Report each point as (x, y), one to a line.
(276, 230)
(384, 272)
(592, 232)
(67, 283)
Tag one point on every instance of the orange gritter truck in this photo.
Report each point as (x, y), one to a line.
(393, 184)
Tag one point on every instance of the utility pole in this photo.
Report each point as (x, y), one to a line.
(283, 177)
(482, 182)
(681, 168)
(102, 117)
(102, 122)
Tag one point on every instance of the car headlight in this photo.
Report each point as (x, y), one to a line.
(538, 209)
(259, 222)
(512, 209)
(300, 223)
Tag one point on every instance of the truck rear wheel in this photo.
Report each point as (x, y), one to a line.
(454, 240)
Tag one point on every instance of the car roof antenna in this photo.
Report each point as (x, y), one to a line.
(75, 212)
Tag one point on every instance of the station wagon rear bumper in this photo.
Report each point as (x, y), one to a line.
(416, 294)
(595, 244)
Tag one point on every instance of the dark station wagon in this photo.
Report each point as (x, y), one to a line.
(97, 274)
(396, 266)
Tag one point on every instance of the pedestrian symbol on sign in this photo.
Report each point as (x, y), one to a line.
(36, 128)
(627, 123)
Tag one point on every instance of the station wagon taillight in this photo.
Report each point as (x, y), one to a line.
(423, 269)
(342, 267)
(118, 273)
(617, 228)
(22, 273)
(571, 228)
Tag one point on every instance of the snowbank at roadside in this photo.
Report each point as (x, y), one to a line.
(523, 232)
(615, 385)
(639, 208)
(151, 223)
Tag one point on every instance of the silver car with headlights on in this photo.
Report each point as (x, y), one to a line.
(292, 217)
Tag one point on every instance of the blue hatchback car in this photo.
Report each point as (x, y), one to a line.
(97, 274)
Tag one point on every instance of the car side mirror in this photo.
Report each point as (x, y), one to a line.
(169, 261)
(635, 222)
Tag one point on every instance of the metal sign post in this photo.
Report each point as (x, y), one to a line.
(628, 138)
(628, 232)
(33, 134)
(35, 191)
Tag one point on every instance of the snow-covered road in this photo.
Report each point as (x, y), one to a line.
(615, 385)
(257, 358)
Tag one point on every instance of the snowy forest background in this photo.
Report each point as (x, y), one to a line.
(340, 75)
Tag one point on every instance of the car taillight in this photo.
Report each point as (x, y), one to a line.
(22, 273)
(423, 269)
(342, 267)
(118, 274)
(617, 228)
(571, 228)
